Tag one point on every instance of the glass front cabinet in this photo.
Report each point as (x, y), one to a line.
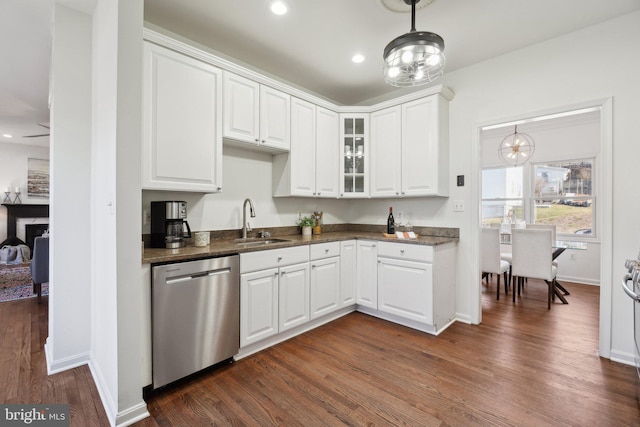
(354, 167)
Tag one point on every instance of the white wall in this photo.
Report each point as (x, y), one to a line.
(116, 353)
(70, 280)
(245, 174)
(553, 75)
(13, 173)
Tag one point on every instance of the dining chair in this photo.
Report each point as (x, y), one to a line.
(551, 227)
(40, 265)
(490, 258)
(532, 258)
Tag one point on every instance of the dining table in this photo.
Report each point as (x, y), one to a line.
(558, 247)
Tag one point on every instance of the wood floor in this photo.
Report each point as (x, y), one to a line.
(524, 366)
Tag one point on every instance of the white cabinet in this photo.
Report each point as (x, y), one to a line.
(258, 305)
(417, 283)
(274, 292)
(409, 146)
(311, 167)
(182, 122)
(348, 267)
(256, 114)
(367, 274)
(294, 296)
(325, 278)
(354, 154)
(385, 152)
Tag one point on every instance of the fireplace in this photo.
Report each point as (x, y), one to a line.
(31, 231)
(14, 212)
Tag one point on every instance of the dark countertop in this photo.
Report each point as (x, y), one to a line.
(221, 247)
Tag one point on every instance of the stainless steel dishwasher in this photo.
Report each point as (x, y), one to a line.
(195, 316)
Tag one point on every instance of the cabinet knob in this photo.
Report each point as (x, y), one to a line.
(275, 274)
(403, 193)
(373, 246)
(319, 193)
(379, 262)
(326, 251)
(397, 194)
(263, 141)
(313, 266)
(402, 251)
(257, 140)
(279, 258)
(219, 188)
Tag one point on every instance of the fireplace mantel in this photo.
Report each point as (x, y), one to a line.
(23, 211)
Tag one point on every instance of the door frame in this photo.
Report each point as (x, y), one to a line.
(604, 210)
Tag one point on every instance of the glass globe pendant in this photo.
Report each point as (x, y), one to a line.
(516, 148)
(414, 58)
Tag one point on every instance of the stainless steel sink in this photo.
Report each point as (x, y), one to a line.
(257, 241)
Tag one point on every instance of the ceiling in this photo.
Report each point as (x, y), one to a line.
(310, 47)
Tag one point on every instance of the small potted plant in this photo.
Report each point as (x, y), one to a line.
(306, 223)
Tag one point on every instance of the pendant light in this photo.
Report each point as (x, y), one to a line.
(516, 148)
(414, 58)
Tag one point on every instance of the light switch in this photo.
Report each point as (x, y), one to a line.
(458, 206)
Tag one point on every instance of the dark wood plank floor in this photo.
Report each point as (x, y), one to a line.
(524, 366)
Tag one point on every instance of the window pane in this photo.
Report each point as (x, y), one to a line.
(503, 183)
(495, 212)
(563, 196)
(570, 219)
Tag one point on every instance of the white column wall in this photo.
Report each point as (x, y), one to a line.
(70, 279)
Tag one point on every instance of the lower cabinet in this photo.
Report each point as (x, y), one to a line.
(325, 286)
(348, 268)
(274, 292)
(294, 296)
(367, 274)
(415, 285)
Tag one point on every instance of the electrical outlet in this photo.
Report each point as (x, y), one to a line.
(147, 216)
(458, 206)
(572, 256)
(400, 219)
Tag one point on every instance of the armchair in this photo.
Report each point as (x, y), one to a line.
(40, 265)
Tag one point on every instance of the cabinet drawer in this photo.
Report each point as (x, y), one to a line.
(405, 251)
(261, 260)
(324, 250)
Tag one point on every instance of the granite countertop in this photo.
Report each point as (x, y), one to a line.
(221, 247)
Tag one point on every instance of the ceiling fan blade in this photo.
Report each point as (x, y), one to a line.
(35, 136)
(44, 125)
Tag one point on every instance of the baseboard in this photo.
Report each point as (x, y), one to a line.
(464, 318)
(132, 415)
(622, 357)
(103, 391)
(56, 366)
(580, 280)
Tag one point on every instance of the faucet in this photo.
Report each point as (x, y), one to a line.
(244, 216)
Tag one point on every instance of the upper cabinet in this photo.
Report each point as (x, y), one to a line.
(256, 114)
(311, 168)
(354, 166)
(409, 149)
(182, 128)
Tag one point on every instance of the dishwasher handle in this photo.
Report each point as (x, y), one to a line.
(188, 277)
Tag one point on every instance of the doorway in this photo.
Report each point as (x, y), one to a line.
(558, 136)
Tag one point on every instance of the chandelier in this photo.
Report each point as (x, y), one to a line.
(414, 58)
(516, 148)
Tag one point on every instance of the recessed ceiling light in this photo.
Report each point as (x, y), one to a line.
(6, 135)
(357, 58)
(279, 7)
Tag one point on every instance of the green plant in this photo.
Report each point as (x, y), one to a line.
(306, 221)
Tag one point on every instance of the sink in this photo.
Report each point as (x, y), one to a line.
(257, 241)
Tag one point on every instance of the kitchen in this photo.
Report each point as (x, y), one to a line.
(480, 97)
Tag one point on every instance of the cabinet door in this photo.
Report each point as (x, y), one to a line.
(367, 274)
(348, 263)
(275, 119)
(325, 286)
(303, 145)
(182, 142)
(327, 153)
(420, 158)
(258, 305)
(241, 109)
(405, 289)
(354, 152)
(386, 152)
(294, 296)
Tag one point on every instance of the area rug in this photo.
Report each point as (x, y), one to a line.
(15, 283)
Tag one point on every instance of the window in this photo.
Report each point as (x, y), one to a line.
(561, 193)
(502, 195)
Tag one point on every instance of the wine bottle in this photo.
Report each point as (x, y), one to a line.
(391, 224)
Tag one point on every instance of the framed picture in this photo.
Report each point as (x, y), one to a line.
(38, 178)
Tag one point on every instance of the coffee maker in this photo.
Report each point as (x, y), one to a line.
(168, 224)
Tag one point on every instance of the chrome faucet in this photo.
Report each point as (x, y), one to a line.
(244, 217)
